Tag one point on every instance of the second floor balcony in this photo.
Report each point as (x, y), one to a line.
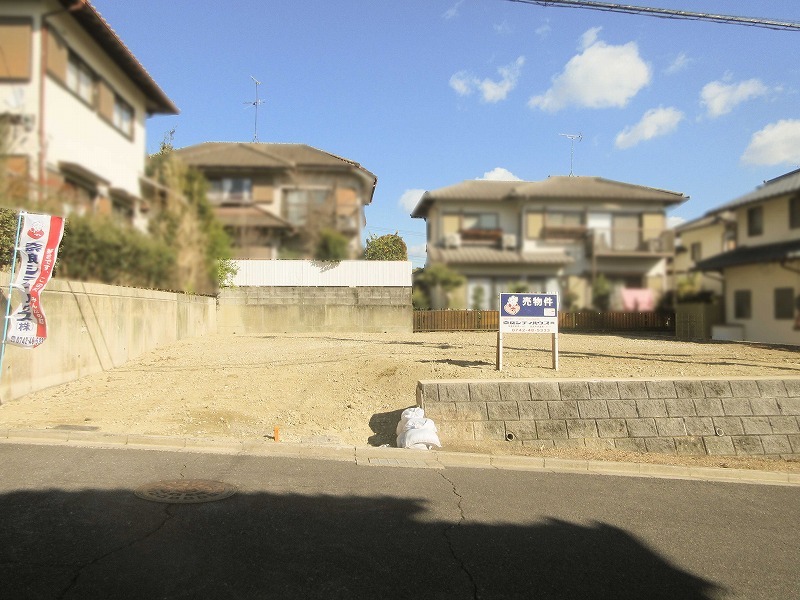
(639, 241)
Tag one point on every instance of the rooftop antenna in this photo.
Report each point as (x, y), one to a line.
(571, 137)
(256, 103)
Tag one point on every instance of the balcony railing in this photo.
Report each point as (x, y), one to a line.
(602, 241)
(481, 235)
(218, 197)
(563, 232)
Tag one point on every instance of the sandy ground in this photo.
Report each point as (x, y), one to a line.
(350, 388)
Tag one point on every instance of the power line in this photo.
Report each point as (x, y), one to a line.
(667, 13)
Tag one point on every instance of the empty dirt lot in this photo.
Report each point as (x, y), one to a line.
(348, 388)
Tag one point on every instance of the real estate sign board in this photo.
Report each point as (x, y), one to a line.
(528, 313)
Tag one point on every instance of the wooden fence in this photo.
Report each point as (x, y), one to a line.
(489, 320)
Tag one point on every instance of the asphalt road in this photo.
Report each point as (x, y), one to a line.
(71, 527)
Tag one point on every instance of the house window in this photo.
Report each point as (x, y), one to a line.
(480, 221)
(121, 210)
(742, 307)
(235, 190)
(794, 212)
(303, 205)
(123, 116)
(755, 221)
(15, 49)
(564, 219)
(697, 251)
(80, 79)
(784, 303)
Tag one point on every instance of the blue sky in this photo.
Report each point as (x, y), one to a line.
(428, 93)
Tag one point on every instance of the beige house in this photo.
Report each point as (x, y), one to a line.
(73, 105)
(275, 199)
(762, 273)
(555, 235)
(699, 239)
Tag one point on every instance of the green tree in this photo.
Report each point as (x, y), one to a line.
(331, 245)
(188, 224)
(436, 281)
(386, 247)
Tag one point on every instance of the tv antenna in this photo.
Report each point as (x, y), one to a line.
(256, 103)
(571, 137)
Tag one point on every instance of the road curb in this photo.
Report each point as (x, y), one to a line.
(391, 457)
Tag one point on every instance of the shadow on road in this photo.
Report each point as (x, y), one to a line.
(110, 544)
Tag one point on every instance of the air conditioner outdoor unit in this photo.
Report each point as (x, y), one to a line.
(452, 240)
(509, 241)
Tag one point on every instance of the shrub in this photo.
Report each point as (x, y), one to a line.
(386, 247)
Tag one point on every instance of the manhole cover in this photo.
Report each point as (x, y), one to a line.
(185, 491)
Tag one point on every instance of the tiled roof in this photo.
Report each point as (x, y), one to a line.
(248, 156)
(561, 187)
(705, 220)
(785, 184)
(595, 188)
(750, 255)
(263, 155)
(484, 255)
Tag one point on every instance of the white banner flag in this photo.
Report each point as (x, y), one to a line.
(39, 238)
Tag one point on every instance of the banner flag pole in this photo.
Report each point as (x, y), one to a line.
(10, 289)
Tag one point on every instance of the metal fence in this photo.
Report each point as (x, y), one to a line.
(314, 273)
(489, 320)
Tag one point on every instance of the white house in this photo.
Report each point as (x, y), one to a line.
(73, 100)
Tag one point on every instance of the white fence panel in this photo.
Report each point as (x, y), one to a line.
(313, 273)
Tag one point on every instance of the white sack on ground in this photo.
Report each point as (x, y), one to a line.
(419, 439)
(415, 431)
(408, 414)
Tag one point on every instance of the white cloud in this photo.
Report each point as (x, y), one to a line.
(673, 222)
(543, 30)
(461, 82)
(601, 76)
(679, 64)
(502, 28)
(778, 143)
(452, 12)
(500, 174)
(655, 123)
(589, 38)
(410, 198)
(491, 91)
(720, 98)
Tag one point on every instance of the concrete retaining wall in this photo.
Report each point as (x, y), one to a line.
(308, 309)
(691, 417)
(92, 327)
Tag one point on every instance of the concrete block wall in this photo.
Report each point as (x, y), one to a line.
(753, 417)
(92, 327)
(314, 309)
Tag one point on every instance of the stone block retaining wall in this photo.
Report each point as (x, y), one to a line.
(686, 416)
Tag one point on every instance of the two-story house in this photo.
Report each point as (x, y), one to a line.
(761, 275)
(556, 235)
(73, 104)
(274, 199)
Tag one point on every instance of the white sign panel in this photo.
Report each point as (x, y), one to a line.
(529, 313)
